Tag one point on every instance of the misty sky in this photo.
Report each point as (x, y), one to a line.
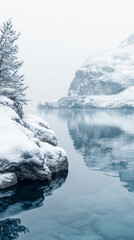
(58, 35)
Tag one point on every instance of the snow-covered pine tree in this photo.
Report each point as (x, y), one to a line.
(11, 83)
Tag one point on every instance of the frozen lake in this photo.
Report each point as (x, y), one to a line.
(96, 200)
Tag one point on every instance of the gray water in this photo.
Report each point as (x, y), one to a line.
(95, 201)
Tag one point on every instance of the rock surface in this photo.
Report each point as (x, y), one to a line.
(26, 145)
(125, 99)
(105, 81)
(27, 195)
(41, 129)
(106, 73)
(7, 180)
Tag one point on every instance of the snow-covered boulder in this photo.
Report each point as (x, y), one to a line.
(41, 129)
(55, 158)
(105, 81)
(7, 180)
(23, 150)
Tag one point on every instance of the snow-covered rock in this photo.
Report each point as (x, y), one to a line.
(125, 99)
(23, 150)
(41, 129)
(7, 180)
(10, 103)
(55, 158)
(105, 81)
(106, 73)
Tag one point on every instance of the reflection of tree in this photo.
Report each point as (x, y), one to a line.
(23, 197)
(10, 229)
(104, 138)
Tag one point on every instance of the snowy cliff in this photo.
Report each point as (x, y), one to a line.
(124, 99)
(105, 81)
(28, 148)
(106, 73)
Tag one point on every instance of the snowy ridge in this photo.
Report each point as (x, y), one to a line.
(105, 73)
(105, 81)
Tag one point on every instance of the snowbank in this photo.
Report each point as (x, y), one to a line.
(41, 129)
(24, 150)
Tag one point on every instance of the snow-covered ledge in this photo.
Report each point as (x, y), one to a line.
(124, 100)
(28, 148)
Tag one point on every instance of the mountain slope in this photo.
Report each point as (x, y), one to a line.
(106, 73)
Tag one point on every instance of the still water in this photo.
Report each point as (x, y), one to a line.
(96, 200)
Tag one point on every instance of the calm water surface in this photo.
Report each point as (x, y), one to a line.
(96, 200)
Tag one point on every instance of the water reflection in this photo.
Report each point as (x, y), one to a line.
(105, 139)
(23, 197)
(11, 228)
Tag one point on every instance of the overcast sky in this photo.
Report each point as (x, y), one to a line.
(58, 35)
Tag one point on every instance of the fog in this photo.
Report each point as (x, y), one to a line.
(57, 36)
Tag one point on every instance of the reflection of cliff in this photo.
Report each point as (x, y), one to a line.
(105, 139)
(23, 197)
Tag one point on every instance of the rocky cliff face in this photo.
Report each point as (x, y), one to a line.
(124, 99)
(106, 73)
(91, 83)
(105, 81)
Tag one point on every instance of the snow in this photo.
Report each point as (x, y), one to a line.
(128, 41)
(25, 147)
(41, 129)
(49, 149)
(116, 65)
(55, 157)
(12, 83)
(6, 101)
(105, 81)
(14, 138)
(36, 122)
(125, 99)
(7, 180)
(106, 73)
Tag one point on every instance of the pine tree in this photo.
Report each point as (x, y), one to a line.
(11, 83)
